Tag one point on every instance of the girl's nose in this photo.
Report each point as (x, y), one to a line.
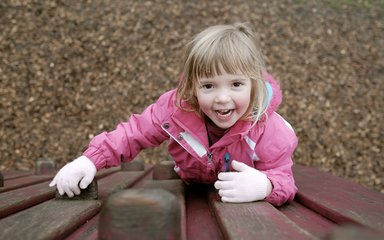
(222, 97)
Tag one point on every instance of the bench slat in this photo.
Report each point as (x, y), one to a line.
(119, 181)
(323, 201)
(340, 200)
(16, 200)
(45, 221)
(307, 219)
(88, 231)
(201, 223)
(255, 220)
(353, 232)
(21, 198)
(16, 174)
(36, 224)
(105, 172)
(23, 182)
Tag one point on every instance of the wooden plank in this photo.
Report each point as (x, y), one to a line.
(88, 231)
(306, 219)
(106, 171)
(353, 232)
(21, 198)
(15, 183)
(201, 223)
(337, 199)
(255, 220)
(37, 223)
(119, 181)
(16, 174)
(50, 220)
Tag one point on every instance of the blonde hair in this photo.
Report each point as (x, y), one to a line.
(231, 48)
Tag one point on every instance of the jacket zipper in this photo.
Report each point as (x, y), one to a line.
(227, 160)
(209, 157)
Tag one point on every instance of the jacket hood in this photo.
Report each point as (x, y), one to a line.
(274, 97)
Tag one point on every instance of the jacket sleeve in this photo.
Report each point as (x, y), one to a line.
(275, 150)
(129, 138)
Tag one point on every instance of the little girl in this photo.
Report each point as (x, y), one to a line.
(220, 122)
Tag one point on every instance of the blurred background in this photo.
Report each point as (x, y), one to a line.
(72, 69)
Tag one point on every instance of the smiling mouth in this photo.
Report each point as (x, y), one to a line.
(224, 113)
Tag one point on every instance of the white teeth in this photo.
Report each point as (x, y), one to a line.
(224, 112)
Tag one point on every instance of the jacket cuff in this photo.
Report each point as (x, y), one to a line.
(96, 156)
(273, 197)
(280, 193)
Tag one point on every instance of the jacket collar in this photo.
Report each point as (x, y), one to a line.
(191, 122)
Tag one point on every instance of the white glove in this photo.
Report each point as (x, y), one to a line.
(79, 170)
(245, 185)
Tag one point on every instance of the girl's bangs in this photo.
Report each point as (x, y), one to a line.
(222, 59)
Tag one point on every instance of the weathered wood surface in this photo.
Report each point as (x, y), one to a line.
(338, 199)
(52, 219)
(257, 220)
(21, 198)
(115, 182)
(140, 214)
(121, 181)
(306, 219)
(353, 232)
(201, 220)
(88, 231)
(16, 174)
(14, 183)
(324, 204)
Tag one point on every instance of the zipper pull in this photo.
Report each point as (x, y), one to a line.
(209, 157)
(227, 159)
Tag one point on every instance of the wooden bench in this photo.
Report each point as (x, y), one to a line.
(139, 201)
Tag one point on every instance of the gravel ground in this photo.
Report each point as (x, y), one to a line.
(71, 69)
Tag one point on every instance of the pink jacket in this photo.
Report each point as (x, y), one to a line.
(267, 145)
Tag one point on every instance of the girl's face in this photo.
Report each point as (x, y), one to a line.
(224, 98)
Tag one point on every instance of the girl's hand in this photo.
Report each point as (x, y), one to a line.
(79, 170)
(245, 185)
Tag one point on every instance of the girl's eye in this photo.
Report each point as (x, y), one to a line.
(207, 86)
(237, 84)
